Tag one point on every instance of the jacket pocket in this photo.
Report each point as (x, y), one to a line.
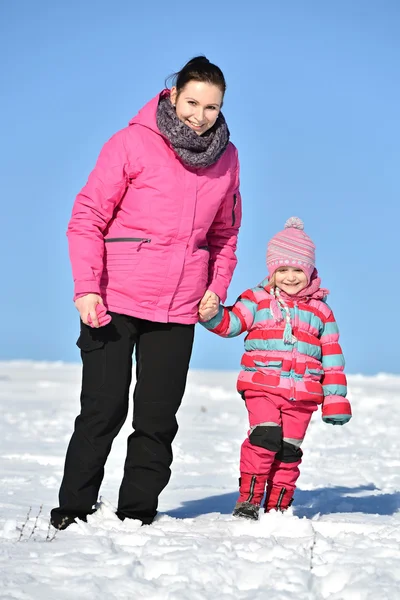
(268, 372)
(269, 364)
(197, 267)
(234, 216)
(127, 239)
(234, 209)
(312, 381)
(313, 372)
(123, 254)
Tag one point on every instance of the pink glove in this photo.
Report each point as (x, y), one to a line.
(102, 315)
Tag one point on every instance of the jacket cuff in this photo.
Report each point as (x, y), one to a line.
(215, 321)
(86, 287)
(218, 288)
(335, 405)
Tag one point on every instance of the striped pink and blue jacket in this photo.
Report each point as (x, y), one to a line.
(311, 368)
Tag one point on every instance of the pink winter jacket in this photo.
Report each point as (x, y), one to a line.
(151, 235)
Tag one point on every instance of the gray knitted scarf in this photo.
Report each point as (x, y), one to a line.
(194, 150)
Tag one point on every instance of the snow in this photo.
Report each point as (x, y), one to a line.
(341, 540)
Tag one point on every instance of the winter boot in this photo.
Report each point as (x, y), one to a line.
(246, 510)
(63, 521)
(251, 488)
(278, 498)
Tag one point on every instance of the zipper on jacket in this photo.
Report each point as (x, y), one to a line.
(233, 209)
(296, 315)
(293, 387)
(140, 240)
(292, 375)
(127, 239)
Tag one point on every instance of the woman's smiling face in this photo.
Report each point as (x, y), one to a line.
(198, 105)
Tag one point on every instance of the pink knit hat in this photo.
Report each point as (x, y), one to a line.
(291, 248)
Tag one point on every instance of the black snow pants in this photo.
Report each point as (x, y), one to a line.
(163, 353)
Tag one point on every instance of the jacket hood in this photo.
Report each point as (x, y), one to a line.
(147, 116)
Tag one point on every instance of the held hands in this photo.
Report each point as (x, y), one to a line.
(92, 311)
(208, 306)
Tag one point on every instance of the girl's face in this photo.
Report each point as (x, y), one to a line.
(290, 279)
(197, 105)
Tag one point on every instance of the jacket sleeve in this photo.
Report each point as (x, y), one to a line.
(93, 209)
(222, 239)
(231, 321)
(334, 382)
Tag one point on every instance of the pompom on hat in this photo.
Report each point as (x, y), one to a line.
(291, 247)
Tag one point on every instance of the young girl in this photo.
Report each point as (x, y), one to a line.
(292, 363)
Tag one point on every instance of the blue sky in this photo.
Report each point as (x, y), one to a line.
(312, 104)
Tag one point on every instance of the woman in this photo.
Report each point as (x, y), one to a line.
(152, 235)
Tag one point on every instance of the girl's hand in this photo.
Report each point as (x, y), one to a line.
(209, 306)
(86, 305)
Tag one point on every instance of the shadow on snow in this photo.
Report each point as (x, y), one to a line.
(307, 503)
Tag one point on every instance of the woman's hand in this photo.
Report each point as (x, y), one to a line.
(86, 305)
(208, 306)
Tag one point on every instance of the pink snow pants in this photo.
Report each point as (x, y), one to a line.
(277, 429)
